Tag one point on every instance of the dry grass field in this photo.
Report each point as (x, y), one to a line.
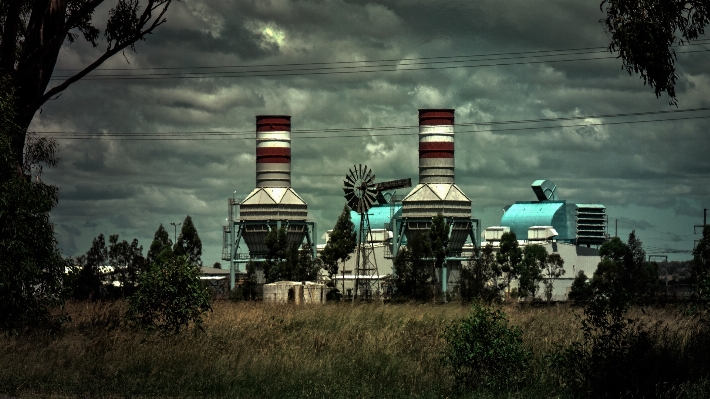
(252, 349)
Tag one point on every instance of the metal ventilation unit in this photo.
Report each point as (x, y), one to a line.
(437, 191)
(273, 203)
(591, 224)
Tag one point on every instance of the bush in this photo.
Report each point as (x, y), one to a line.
(169, 296)
(482, 351)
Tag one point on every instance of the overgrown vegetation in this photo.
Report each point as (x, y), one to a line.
(252, 349)
(31, 266)
(482, 351)
(169, 296)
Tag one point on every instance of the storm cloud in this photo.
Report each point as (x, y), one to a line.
(655, 175)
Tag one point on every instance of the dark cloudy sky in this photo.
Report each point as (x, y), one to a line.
(653, 177)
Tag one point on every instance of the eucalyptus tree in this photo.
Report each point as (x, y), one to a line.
(644, 33)
(188, 242)
(33, 32)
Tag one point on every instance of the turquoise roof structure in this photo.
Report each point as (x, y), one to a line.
(522, 215)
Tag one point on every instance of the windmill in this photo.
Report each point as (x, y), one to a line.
(361, 193)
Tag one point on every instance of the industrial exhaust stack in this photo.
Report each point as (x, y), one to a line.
(273, 203)
(437, 191)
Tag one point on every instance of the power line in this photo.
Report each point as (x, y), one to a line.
(405, 127)
(323, 70)
(523, 53)
(174, 136)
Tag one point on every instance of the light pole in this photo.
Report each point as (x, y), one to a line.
(175, 236)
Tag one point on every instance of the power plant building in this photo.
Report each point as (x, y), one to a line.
(272, 204)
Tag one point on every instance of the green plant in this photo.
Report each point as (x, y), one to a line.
(169, 297)
(482, 351)
(31, 267)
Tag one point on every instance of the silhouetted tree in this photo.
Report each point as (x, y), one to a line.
(644, 33)
(581, 290)
(480, 277)
(31, 266)
(161, 245)
(554, 268)
(700, 268)
(33, 32)
(189, 243)
(530, 270)
(127, 261)
(413, 270)
(341, 244)
(509, 257)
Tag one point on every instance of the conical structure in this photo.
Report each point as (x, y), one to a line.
(273, 200)
(437, 191)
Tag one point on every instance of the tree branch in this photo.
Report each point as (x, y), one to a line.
(38, 54)
(108, 54)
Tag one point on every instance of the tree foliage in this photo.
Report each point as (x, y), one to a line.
(413, 270)
(31, 266)
(644, 32)
(88, 284)
(605, 361)
(700, 268)
(161, 245)
(169, 296)
(285, 262)
(127, 261)
(509, 257)
(189, 243)
(482, 351)
(439, 240)
(529, 270)
(581, 290)
(480, 277)
(341, 244)
(554, 268)
(33, 32)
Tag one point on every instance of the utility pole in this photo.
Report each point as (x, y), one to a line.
(175, 235)
(705, 222)
(616, 228)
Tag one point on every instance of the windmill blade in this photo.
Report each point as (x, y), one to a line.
(366, 175)
(349, 180)
(369, 201)
(347, 183)
(359, 176)
(352, 173)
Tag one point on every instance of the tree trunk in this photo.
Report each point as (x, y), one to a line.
(46, 21)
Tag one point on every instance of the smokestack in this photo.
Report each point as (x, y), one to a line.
(436, 146)
(273, 151)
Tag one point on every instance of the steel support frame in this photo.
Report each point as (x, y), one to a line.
(399, 227)
(238, 227)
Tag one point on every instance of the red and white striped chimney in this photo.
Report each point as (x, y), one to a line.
(436, 146)
(273, 151)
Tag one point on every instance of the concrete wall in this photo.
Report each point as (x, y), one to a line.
(294, 292)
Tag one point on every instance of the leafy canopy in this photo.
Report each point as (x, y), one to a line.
(644, 32)
(31, 266)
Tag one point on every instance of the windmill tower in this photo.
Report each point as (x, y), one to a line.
(361, 193)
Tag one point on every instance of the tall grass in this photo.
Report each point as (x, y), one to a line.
(253, 349)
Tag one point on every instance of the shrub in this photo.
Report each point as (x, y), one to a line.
(482, 351)
(169, 296)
